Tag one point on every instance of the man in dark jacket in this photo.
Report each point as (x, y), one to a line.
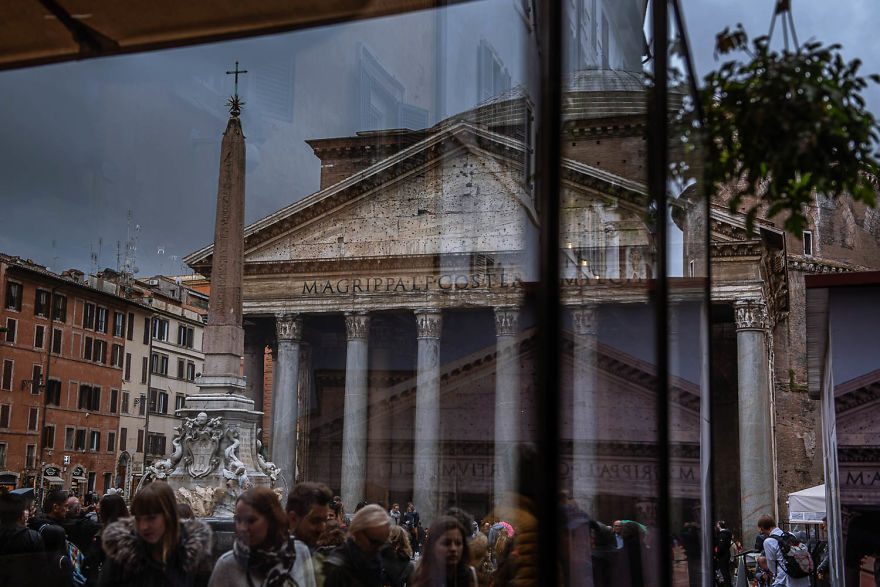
(723, 540)
(54, 511)
(366, 559)
(412, 525)
(79, 528)
(22, 557)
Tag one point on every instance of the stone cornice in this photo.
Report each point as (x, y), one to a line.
(739, 248)
(615, 127)
(722, 227)
(809, 265)
(429, 263)
(857, 398)
(859, 454)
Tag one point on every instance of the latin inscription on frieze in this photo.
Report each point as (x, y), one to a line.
(411, 283)
(444, 282)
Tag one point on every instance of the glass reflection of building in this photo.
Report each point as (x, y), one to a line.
(395, 298)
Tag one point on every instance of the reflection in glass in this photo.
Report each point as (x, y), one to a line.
(391, 262)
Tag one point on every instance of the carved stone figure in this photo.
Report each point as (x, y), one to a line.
(268, 468)
(233, 468)
(201, 441)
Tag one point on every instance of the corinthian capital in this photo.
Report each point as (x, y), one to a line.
(288, 327)
(585, 320)
(750, 315)
(357, 325)
(506, 321)
(429, 323)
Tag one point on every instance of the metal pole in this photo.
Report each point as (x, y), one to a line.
(41, 440)
(149, 383)
(658, 146)
(707, 487)
(548, 292)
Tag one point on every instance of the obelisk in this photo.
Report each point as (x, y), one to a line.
(216, 452)
(224, 337)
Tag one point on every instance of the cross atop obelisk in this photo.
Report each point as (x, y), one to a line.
(234, 102)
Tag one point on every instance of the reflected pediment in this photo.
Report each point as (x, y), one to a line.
(460, 190)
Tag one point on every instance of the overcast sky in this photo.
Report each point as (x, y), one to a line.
(85, 145)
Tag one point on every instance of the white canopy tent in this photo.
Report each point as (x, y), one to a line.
(807, 505)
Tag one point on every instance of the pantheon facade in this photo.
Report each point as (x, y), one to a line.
(397, 302)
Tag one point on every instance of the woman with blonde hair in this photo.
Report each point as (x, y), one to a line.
(399, 539)
(263, 552)
(154, 547)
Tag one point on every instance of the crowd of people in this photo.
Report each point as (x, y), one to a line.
(312, 542)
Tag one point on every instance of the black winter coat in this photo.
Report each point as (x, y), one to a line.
(17, 539)
(347, 566)
(129, 561)
(22, 556)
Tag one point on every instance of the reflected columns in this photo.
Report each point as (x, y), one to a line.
(584, 402)
(285, 380)
(755, 442)
(507, 401)
(354, 426)
(429, 324)
(254, 356)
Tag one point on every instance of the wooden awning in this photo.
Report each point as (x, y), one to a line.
(34, 32)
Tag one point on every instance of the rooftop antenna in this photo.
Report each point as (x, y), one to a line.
(93, 258)
(54, 255)
(129, 266)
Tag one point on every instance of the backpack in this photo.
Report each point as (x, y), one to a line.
(795, 556)
(76, 558)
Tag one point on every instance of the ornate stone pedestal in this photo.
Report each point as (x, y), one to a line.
(216, 453)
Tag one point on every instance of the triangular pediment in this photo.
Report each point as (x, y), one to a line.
(459, 190)
(857, 403)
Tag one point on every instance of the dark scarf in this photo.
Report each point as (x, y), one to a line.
(276, 563)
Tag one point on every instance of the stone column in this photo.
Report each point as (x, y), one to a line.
(584, 392)
(305, 409)
(755, 443)
(285, 379)
(426, 451)
(354, 427)
(506, 402)
(254, 355)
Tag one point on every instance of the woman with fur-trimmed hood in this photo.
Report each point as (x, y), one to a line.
(154, 547)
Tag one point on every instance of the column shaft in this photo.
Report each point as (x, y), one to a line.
(354, 427)
(426, 451)
(284, 396)
(584, 404)
(507, 402)
(254, 355)
(755, 443)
